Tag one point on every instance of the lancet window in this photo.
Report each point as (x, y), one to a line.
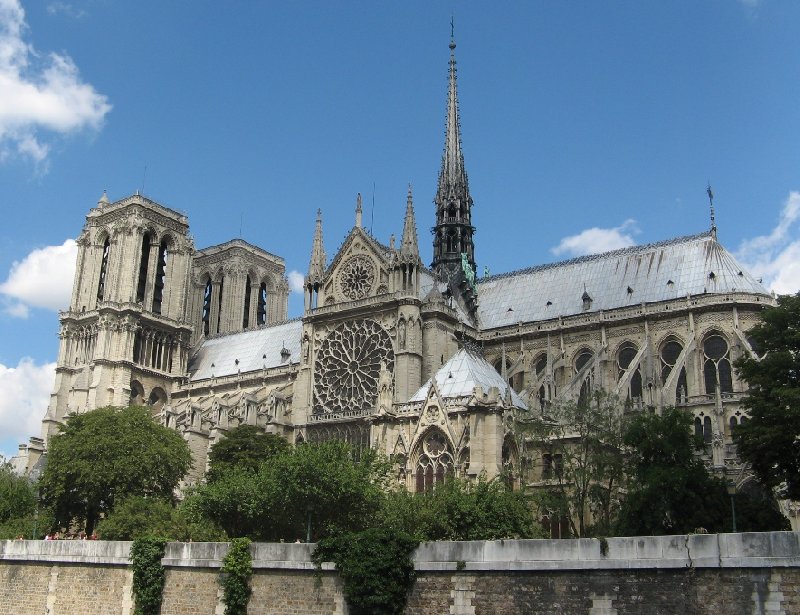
(161, 276)
(717, 364)
(261, 313)
(101, 285)
(246, 311)
(627, 353)
(670, 352)
(144, 262)
(206, 315)
(581, 361)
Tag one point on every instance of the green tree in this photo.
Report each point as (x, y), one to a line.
(137, 516)
(770, 440)
(105, 455)
(316, 483)
(243, 447)
(18, 507)
(460, 510)
(582, 446)
(670, 491)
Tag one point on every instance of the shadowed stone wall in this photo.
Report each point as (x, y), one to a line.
(734, 574)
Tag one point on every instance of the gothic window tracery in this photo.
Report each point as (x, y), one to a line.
(348, 367)
(357, 277)
(435, 464)
(717, 364)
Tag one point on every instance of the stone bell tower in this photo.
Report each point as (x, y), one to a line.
(124, 338)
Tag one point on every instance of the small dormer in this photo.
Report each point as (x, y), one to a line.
(587, 300)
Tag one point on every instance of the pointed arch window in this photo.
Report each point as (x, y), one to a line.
(246, 312)
(581, 361)
(144, 261)
(627, 353)
(161, 277)
(717, 364)
(220, 303)
(262, 304)
(670, 352)
(101, 285)
(435, 464)
(206, 316)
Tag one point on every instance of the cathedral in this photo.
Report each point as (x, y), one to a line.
(428, 363)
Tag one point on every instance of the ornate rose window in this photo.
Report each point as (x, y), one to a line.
(357, 277)
(348, 367)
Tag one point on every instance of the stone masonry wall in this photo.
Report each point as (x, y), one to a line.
(734, 574)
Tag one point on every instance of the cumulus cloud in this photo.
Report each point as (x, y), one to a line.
(39, 95)
(24, 395)
(776, 257)
(296, 280)
(42, 279)
(594, 240)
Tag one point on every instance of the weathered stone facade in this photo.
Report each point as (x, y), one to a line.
(202, 337)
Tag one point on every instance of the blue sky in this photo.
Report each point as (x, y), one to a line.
(586, 126)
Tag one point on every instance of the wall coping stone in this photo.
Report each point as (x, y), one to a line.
(744, 550)
(114, 552)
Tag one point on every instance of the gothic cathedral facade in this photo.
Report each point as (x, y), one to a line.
(428, 364)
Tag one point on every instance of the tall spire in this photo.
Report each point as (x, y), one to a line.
(453, 232)
(711, 205)
(316, 268)
(408, 245)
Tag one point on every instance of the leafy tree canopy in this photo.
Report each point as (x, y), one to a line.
(320, 482)
(17, 494)
(770, 440)
(137, 516)
(460, 510)
(243, 447)
(670, 490)
(18, 512)
(105, 455)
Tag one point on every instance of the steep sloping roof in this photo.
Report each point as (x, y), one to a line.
(671, 269)
(462, 373)
(255, 349)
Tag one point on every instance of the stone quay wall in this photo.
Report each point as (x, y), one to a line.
(731, 574)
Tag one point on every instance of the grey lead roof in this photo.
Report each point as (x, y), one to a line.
(462, 373)
(661, 271)
(255, 349)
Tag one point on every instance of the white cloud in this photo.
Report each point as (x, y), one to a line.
(42, 279)
(24, 395)
(776, 257)
(65, 8)
(296, 281)
(594, 240)
(39, 94)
